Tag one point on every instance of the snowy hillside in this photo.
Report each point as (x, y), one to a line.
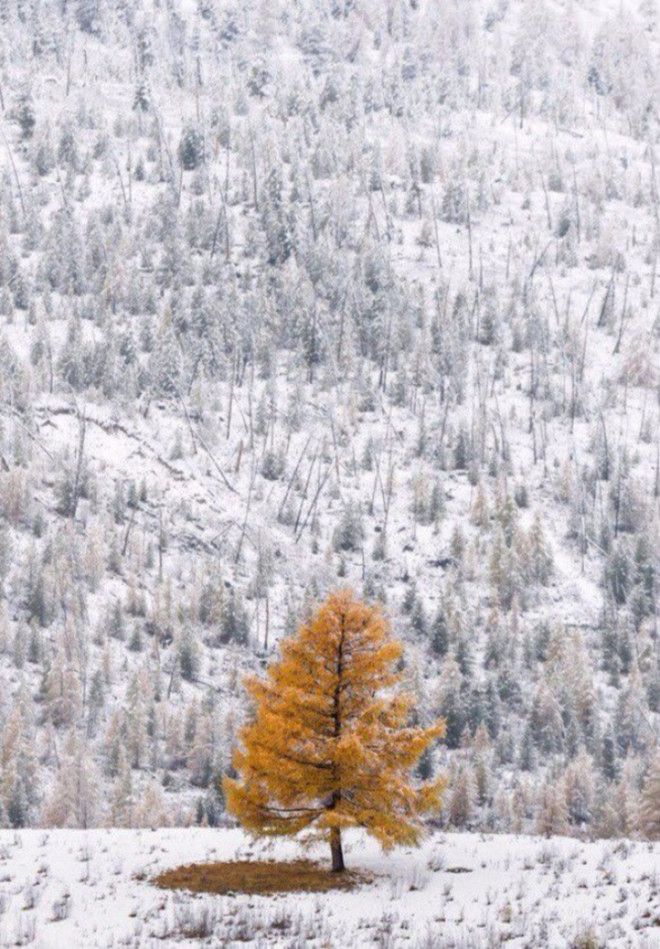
(302, 294)
(93, 888)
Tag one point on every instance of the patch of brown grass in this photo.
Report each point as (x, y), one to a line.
(258, 877)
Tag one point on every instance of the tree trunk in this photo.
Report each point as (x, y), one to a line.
(336, 850)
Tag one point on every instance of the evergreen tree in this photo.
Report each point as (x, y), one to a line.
(546, 722)
(25, 116)
(440, 633)
(452, 704)
(618, 573)
(540, 563)
(191, 148)
(88, 15)
(274, 220)
(349, 533)
(609, 760)
(188, 655)
(234, 625)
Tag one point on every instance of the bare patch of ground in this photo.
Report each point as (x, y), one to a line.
(258, 877)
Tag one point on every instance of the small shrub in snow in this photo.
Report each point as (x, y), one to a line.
(61, 908)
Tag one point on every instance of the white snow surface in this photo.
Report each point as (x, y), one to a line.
(455, 890)
(560, 250)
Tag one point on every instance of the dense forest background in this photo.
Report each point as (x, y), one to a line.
(295, 295)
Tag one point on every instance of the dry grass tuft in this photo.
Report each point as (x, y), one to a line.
(258, 877)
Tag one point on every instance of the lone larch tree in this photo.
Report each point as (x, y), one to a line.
(330, 744)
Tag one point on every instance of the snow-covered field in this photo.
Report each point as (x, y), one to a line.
(91, 889)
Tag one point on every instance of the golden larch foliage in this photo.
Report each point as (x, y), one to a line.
(330, 744)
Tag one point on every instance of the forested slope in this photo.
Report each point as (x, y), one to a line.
(300, 294)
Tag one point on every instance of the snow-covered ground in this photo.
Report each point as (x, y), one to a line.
(92, 889)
